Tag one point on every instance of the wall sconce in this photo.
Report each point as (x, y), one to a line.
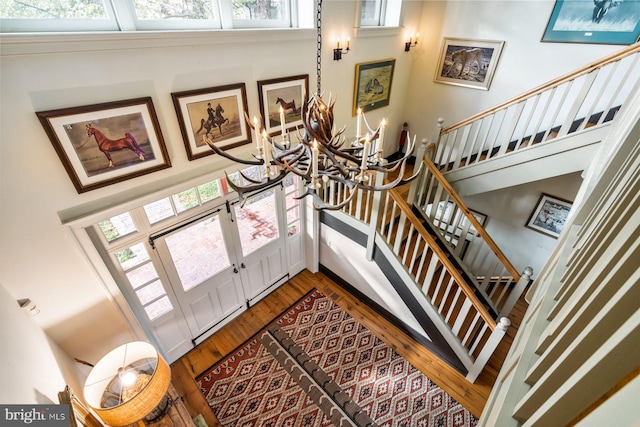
(338, 51)
(411, 43)
(28, 307)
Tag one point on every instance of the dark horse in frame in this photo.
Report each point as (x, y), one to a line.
(215, 119)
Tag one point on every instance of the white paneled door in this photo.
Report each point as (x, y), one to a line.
(199, 259)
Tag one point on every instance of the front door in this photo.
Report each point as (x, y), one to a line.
(199, 259)
(260, 243)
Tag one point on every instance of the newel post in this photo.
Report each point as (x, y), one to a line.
(517, 291)
(488, 349)
(415, 184)
(376, 207)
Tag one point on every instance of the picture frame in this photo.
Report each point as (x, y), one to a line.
(482, 219)
(79, 414)
(601, 22)
(468, 63)
(290, 93)
(372, 88)
(131, 143)
(549, 215)
(217, 112)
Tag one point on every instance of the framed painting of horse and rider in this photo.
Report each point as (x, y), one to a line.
(215, 113)
(468, 63)
(103, 144)
(281, 101)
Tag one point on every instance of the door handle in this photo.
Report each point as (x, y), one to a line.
(235, 270)
(242, 265)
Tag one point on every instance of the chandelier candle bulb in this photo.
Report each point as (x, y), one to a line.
(348, 43)
(381, 137)
(314, 169)
(365, 154)
(282, 121)
(358, 123)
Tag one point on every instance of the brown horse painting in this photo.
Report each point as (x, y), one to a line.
(107, 145)
(287, 105)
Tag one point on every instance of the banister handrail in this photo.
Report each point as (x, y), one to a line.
(634, 48)
(444, 258)
(471, 218)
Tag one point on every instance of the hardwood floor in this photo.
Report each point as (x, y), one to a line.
(472, 396)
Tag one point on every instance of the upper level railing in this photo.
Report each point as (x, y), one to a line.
(587, 97)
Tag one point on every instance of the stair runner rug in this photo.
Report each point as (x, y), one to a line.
(250, 387)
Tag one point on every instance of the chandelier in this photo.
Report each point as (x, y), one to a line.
(322, 154)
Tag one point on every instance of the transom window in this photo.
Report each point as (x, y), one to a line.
(132, 15)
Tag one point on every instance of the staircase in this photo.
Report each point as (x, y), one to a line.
(551, 130)
(445, 265)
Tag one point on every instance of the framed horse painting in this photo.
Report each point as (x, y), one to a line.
(281, 102)
(216, 114)
(103, 144)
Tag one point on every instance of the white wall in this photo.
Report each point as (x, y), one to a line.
(347, 259)
(509, 209)
(525, 63)
(33, 369)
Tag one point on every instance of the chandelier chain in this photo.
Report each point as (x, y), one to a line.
(319, 44)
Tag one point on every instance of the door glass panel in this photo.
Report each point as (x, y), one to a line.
(150, 292)
(185, 200)
(257, 221)
(132, 256)
(142, 275)
(158, 308)
(117, 226)
(198, 251)
(159, 210)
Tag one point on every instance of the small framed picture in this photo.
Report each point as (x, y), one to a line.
(217, 113)
(373, 85)
(482, 218)
(103, 144)
(549, 216)
(281, 102)
(598, 21)
(468, 63)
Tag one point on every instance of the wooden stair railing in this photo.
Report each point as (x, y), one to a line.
(438, 279)
(489, 269)
(587, 97)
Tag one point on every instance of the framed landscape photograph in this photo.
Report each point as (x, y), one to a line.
(373, 85)
(549, 216)
(468, 63)
(594, 21)
(286, 94)
(103, 144)
(217, 113)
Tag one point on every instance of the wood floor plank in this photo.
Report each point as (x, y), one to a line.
(471, 396)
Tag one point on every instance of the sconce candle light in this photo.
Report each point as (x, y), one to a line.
(411, 43)
(338, 51)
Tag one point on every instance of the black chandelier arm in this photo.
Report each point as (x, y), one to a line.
(229, 156)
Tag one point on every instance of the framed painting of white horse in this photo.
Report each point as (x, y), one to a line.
(468, 63)
(281, 101)
(214, 114)
(102, 144)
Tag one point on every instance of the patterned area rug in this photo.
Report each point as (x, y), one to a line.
(249, 388)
